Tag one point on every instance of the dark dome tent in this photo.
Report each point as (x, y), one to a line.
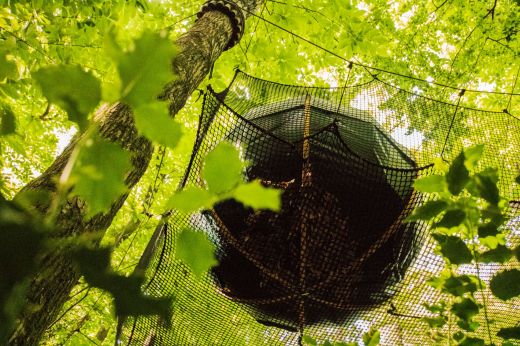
(336, 244)
(338, 256)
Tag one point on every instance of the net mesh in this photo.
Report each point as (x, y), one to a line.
(337, 259)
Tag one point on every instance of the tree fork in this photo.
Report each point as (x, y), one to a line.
(214, 32)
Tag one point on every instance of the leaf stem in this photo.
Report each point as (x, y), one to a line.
(471, 230)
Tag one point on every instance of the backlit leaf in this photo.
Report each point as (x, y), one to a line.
(473, 155)
(154, 122)
(435, 322)
(223, 168)
(8, 67)
(99, 173)
(451, 218)
(191, 199)
(195, 250)
(453, 248)
(256, 196)
(428, 211)
(459, 285)
(432, 183)
(69, 87)
(146, 69)
(372, 338)
(309, 341)
(466, 309)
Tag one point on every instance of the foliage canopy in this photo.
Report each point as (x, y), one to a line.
(61, 60)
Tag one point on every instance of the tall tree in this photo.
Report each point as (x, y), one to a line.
(198, 48)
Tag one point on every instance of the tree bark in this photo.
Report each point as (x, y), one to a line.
(50, 288)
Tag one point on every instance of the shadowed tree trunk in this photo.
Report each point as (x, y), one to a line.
(50, 288)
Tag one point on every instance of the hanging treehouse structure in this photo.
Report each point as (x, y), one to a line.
(338, 254)
(324, 255)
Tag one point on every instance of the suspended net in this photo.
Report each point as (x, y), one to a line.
(338, 258)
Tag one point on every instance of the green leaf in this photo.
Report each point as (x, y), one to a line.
(458, 175)
(436, 308)
(69, 87)
(517, 179)
(428, 211)
(500, 254)
(256, 196)
(435, 322)
(451, 218)
(8, 68)
(99, 173)
(489, 229)
(372, 338)
(466, 309)
(8, 122)
(492, 242)
(516, 252)
(154, 122)
(486, 184)
(458, 336)
(473, 155)
(191, 199)
(146, 69)
(223, 168)
(432, 183)
(195, 250)
(459, 285)
(509, 333)
(93, 264)
(307, 340)
(471, 341)
(496, 215)
(468, 325)
(506, 284)
(453, 248)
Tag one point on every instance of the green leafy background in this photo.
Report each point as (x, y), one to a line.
(50, 48)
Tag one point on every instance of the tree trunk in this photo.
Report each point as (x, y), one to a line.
(50, 288)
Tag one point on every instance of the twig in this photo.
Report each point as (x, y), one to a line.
(70, 308)
(43, 116)
(491, 11)
(437, 7)
(28, 44)
(502, 44)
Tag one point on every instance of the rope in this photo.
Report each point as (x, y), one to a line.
(452, 122)
(344, 86)
(508, 108)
